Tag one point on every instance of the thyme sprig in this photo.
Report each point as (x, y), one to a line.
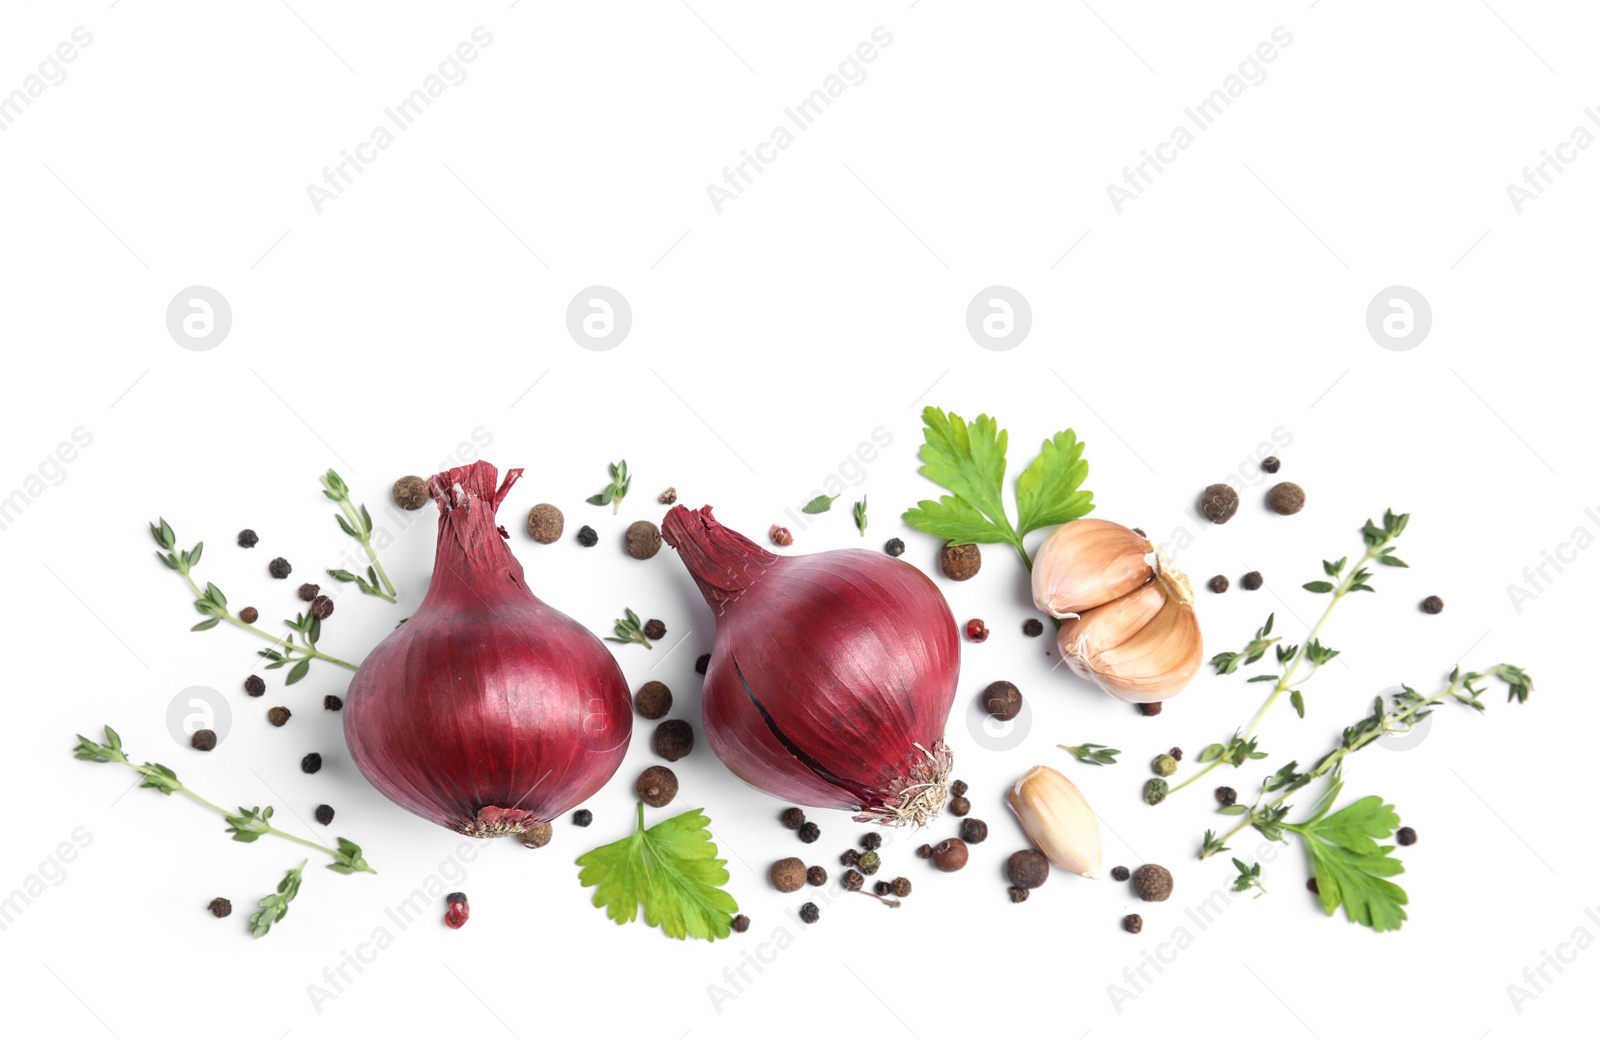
(1092, 753)
(861, 515)
(613, 493)
(629, 628)
(211, 603)
(356, 521)
(275, 906)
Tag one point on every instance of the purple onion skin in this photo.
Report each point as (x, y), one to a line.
(832, 675)
(488, 711)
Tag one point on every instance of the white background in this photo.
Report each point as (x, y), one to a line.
(768, 341)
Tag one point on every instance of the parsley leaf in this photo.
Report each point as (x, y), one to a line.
(672, 870)
(968, 459)
(1352, 867)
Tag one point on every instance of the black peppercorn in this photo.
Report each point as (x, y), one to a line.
(925, 851)
(582, 817)
(849, 857)
(254, 685)
(1432, 604)
(410, 493)
(653, 700)
(249, 614)
(741, 924)
(1027, 868)
(673, 739)
(203, 739)
(657, 786)
(852, 880)
(322, 607)
(792, 818)
(1219, 502)
(311, 763)
(1133, 923)
(959, 788)
(1002, 701)
(702, 662)
(1150, 710)
(1270, 464)
(654, 629)
(1218, 584)
(960, 806)
(247, 538)
(816, 876)
(871, 841)
(1286, 498)
(279, 568)
(1251, 581)
(809, 833)
(895, 547)
(901, 887)
(1119, 873)
(1018, 894)
(1032, 628)
(278, 715)
(1311, 886)
(309, 591)
(882, 887)
(221, 907)
(325, 814)
(810, 913)
(974, 831)
(332, 703)
(587, 537)
(1405, 836)
(1226, 796)
(1176, 753)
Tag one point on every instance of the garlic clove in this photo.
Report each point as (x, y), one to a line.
(1058, 820)
(1142, 648)
(1088, 563)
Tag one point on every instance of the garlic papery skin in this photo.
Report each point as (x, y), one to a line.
(1088, 563)
(1141, 648)
(1057, 820)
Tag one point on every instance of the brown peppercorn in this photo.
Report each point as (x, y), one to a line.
(1270, 464)
(657, 786)
(1032, 627)
(278, 715)
(654, 629)
(809, 913)
(673, 739)
(248, 538)
(1405, 836)
(410, 493)
(871, 841)
(1219, 502)
(250, 614)
(1286, 498)
(809, 833)
(1152, 883)
(1226, 796)
(780, 536)
(960, 806)
(311, 763)
(308, 592)
(960, 562)
(1001, 700)
(220, 907)
(279, 568)
(1119, 873)
(1218, 584)
(1311, 886)
(925, 851)
(545, 523)
(1432, 604)
(332, 703)
(816, 876)
(900, 887)
(702, 662)
(792, 818)
(740, 924)
(974, 831)
(322, 607)
(668, 496)
(325, 814)
(653, 700)
(1133, 923)
(959, 788)
(849, 857)
(1018, 894)
(852, 880)
(537, 837)
(949, 855)
(203, 739)
(1028, 868)
(1252, 580)
(882, 887)
(255, 685)
(1150, 710)
(788, 874)
(642, 540)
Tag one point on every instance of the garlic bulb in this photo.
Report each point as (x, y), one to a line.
(1057, 820)
(1130, 625)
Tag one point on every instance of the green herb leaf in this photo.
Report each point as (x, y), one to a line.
(1298, 702)
(821, 503)
(671, 870)
(1352, 867)
(1047, 491)
(1318, 586)
(276, 906)
(1092, 753)
(861, 515)
(299, 671)
(613, 493)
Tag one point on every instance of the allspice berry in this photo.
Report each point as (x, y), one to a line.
(1027, 868)
(788, 874)
(1286, 498)
(657, 786)
(960, 562)
(1219, 502)
(949, 855)
(537, 837)
(1152, 883)
(1218, 584)
(1432, 604)
(411, 493)
(278, 715)
(1002, 701)
(960, 806)
(545, 523)
(250, 614)
(642, 540)
(673, 739)
(653, 700)
(1150, 710)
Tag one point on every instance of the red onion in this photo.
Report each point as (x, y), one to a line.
(487, 711)
(832, 674)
